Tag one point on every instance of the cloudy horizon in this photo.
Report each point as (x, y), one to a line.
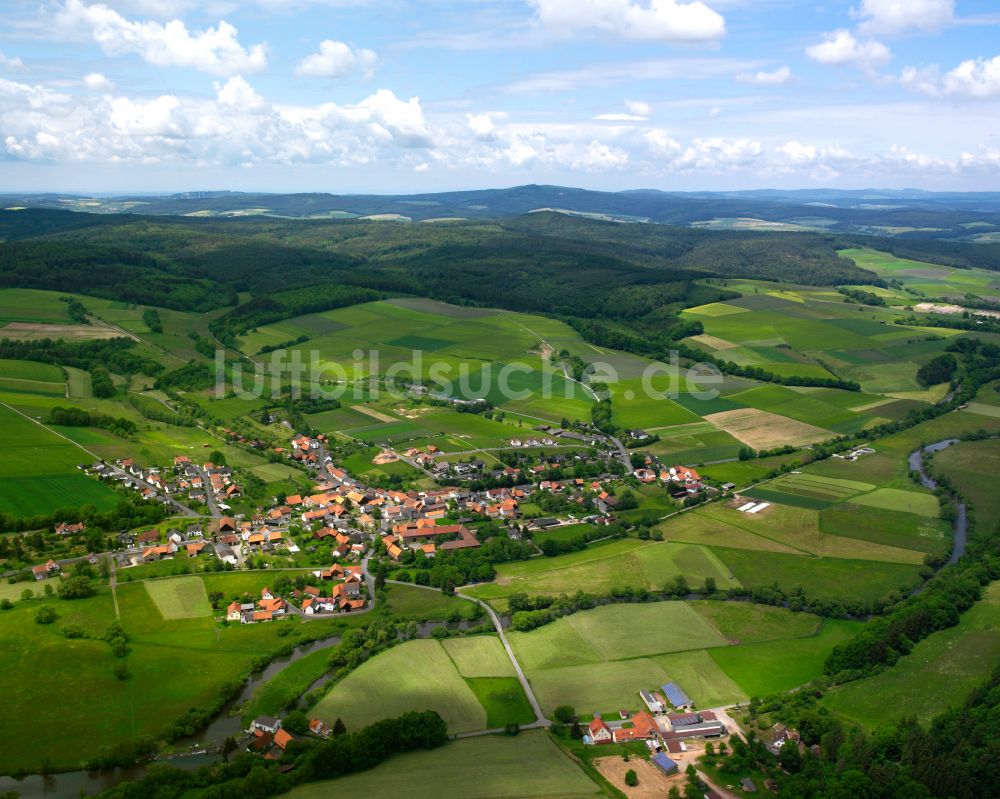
(362, 96)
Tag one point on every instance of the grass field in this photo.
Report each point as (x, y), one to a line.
(409, 602)
(287, 685)
(890, 527)
(479, 656)
(598, 660)
(38, 471)
(743, 622)
(939, 673)
(823, 578)
(768, 667)
(701, 678)
(605, 566)
(179, 597)
(503, 699)
(526, 766)
(972, 467)
(780, 529)
(616, 632)
(176, 664)
(416, 675)
(922, 504)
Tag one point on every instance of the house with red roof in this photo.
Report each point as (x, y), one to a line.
(599, 732)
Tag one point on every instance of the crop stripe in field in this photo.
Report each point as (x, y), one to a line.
(735, 524)
(54, 432)
(589, 560)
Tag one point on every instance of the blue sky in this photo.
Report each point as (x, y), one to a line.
(404, 96)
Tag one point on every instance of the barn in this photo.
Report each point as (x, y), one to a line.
(663, 763)
(676, 696)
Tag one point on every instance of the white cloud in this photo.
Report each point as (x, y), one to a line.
(611, 74)
(237, 93)
(216, 50)
(840, 47)
(11, 61)
(336, 59)
(774, 78)
(97, 82)
(977, 78)
(637, 111)
(620, 118)
(483, 126)
(638, 108)
(404, 121)
(152, 118)
(657, 20)
(235, 126)
(886, 17)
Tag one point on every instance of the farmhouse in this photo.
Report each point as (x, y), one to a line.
(69, 529)
(644, 728)
(45, 569)
(599, 732)
(265, 724)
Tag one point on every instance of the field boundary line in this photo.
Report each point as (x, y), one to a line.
(54, 432)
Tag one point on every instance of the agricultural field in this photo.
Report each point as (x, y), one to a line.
(398, 680)
(422, 604)
(764, 430)
(785, 529)
(603, 567)
(597, 660)
(38, 470)
(471, 351)
(805, 331)
(823, 578)
(179, 597)
(767, 667)
(938, 673)
(165, 650)
(972, 467)
(929, 279)
(526, 766)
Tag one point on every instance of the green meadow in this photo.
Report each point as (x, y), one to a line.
(598, 660)
(38, 470)
(937, 674)
(415, 675)
(173, 637)
(527, 766)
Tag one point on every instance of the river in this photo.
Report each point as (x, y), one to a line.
(961, 526)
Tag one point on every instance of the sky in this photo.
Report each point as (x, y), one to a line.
(401, 96)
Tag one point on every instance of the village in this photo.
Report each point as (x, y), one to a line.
(344, 519)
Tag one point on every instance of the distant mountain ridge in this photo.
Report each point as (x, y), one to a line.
(973, 216)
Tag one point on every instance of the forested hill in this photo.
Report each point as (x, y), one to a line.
(541, 262)
(905, 214)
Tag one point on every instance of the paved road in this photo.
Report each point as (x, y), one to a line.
(540, 720)
(213, 505)
(622, 453)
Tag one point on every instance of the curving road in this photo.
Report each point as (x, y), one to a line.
(540, 720)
